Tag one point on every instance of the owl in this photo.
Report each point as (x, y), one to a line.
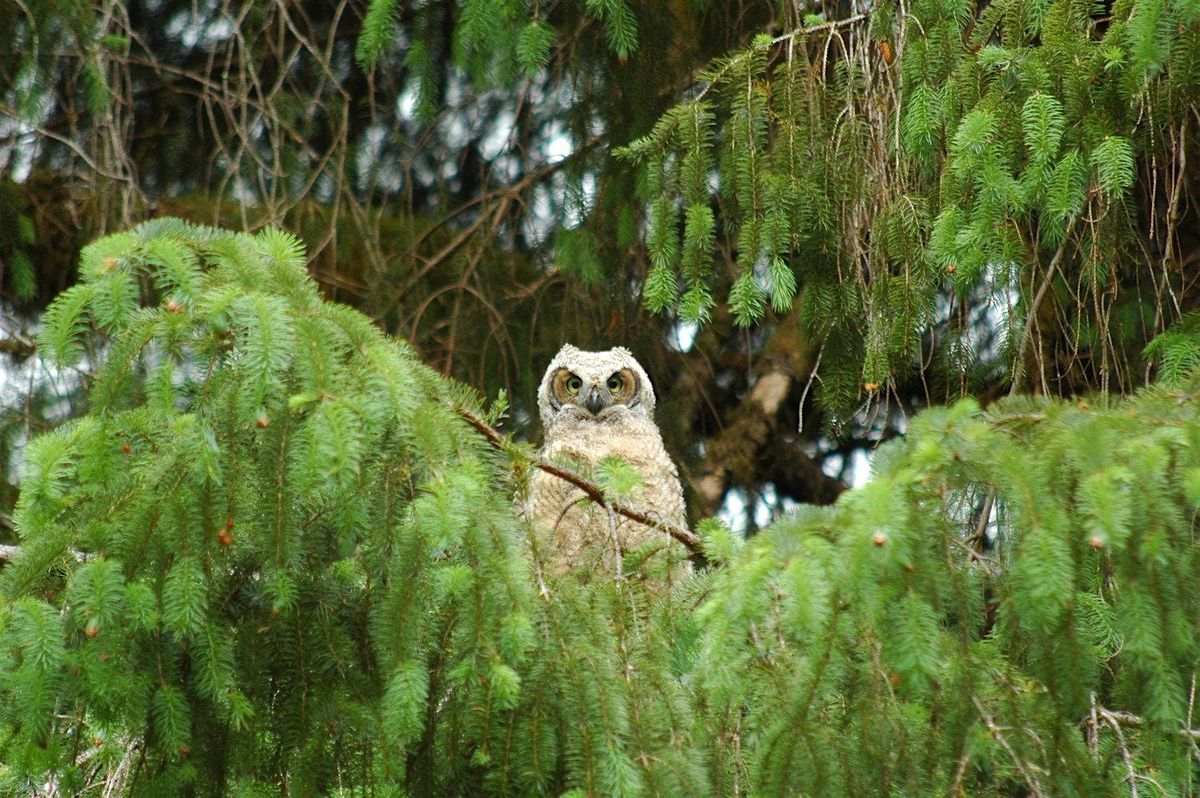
(595, 405)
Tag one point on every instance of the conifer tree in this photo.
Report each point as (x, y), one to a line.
(275, 550)
(879, 166)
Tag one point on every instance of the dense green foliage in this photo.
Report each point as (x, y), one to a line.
(888, 649)
(261, 478)
(273, 553)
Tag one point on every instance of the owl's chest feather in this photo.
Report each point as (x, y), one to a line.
(584, 444)
(587, 443)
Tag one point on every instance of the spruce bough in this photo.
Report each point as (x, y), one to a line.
(301, 569)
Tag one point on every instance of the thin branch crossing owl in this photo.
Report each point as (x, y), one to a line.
(596, 405)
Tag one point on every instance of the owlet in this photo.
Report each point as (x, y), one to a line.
(596, 405)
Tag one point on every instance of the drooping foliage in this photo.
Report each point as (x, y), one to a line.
(911, 170)
(272, 554)
(463, 184)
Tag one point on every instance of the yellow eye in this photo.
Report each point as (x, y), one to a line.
(574, 384)
(615, 384)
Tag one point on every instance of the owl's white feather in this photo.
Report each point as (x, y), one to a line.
(595, 405)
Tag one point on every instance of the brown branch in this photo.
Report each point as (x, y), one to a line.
(1130, 719)
(590, 489)
(18, 344)
(757, 444)
(1031, 318)
(528, 181)
(488, 217)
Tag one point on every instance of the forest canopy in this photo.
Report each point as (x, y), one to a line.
(279, 281)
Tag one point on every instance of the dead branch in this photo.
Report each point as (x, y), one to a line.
(1024, 768)
(757, 439)
(590, 489)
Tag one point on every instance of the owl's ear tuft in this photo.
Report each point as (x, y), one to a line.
(567, 350)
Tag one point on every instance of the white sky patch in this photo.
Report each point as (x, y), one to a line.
(500, 138)
(184, 26)
(23, 154)
(33, 374)
(18, 157)
(859, 473)
(406, 103)
(991, 306)
(243, 192)
(1003, 299)
(542, 219)
(372, 168)
(736, 510)
(733, 511)
(579, 199)
(558, 146)
(682, 336)
(765, 504)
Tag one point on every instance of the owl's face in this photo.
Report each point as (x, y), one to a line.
(600, 386)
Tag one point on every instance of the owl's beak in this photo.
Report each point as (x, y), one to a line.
(595, 400)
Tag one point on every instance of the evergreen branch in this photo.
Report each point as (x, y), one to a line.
(590, 489)
(716, 77)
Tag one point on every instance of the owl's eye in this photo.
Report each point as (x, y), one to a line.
(615, 385)
(574, 384)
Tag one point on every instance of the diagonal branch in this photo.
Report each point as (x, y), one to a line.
(1025, 769)
(590, 489)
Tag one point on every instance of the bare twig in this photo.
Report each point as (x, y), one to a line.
(979, 535)
(75, 148)
(1025, 769)
(812, 375)
(1188, 723)
(789, 38)
(18, 344)
(616, 542)
(1111, 719)
(1093, 729)
(1031, 318)
(590, 489)
(1130, 719)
